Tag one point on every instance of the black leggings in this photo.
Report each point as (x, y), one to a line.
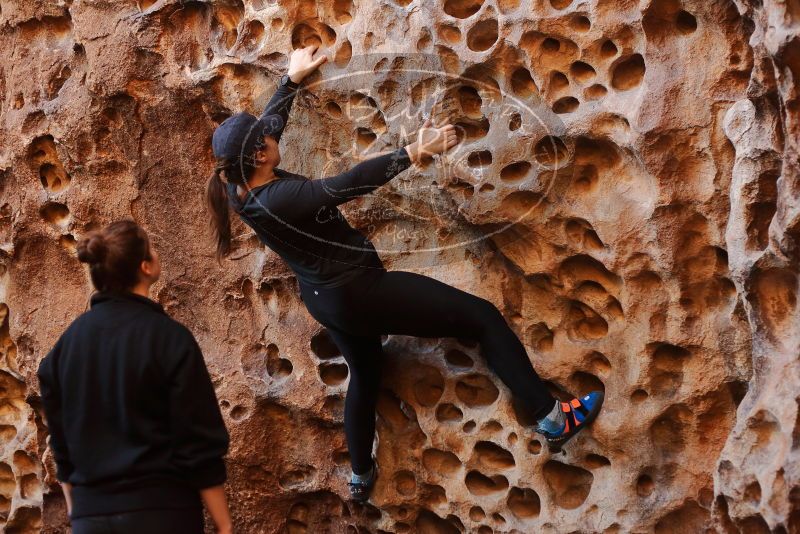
(403, 303)
(166, 521)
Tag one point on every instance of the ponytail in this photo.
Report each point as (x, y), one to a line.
(217, 203)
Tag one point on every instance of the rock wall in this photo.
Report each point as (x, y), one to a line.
(626, 191)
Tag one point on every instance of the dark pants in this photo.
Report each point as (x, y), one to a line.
(403, 303)
(162, 521)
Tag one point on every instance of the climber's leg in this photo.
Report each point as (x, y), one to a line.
(364, 356)
(403, 303)
(406, 303)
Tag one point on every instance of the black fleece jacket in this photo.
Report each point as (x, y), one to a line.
(132, 414)
(299, 218)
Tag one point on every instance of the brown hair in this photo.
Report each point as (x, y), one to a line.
(217, 203)
(114, 255)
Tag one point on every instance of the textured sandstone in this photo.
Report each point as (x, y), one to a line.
(627, 192)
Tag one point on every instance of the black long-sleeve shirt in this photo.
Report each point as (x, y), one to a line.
(299, 219)
(132, 414)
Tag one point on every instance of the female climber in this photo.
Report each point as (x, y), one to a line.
(342, 281)
(135, 429)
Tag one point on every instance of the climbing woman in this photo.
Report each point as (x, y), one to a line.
(135, 429)
(342, 281)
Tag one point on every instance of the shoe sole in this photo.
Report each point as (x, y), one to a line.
(555, 447)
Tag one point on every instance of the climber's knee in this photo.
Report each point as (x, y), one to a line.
(486, 315)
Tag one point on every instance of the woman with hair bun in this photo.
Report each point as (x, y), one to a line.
(135, 429)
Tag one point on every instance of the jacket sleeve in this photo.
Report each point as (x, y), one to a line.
(51, 403)
(199, 436)
(292, 200)
(280, 104)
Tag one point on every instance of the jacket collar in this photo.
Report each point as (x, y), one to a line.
(105, 296)
(233, 193)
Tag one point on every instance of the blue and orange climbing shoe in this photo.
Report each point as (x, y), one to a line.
(578, 413)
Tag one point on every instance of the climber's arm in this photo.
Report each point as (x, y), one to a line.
(301, 65)
(295, 200)
(281, 104)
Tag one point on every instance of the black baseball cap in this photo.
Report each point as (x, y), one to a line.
(238, 137)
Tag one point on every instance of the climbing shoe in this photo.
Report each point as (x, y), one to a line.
(360, 491)
(578, 413)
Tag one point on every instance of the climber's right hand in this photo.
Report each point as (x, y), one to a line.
(302, 63)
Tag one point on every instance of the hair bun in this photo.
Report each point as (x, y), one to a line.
(92, 249)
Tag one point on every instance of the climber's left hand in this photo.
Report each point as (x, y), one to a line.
(302, 63)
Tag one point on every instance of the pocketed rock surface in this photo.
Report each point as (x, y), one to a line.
(626, 191)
